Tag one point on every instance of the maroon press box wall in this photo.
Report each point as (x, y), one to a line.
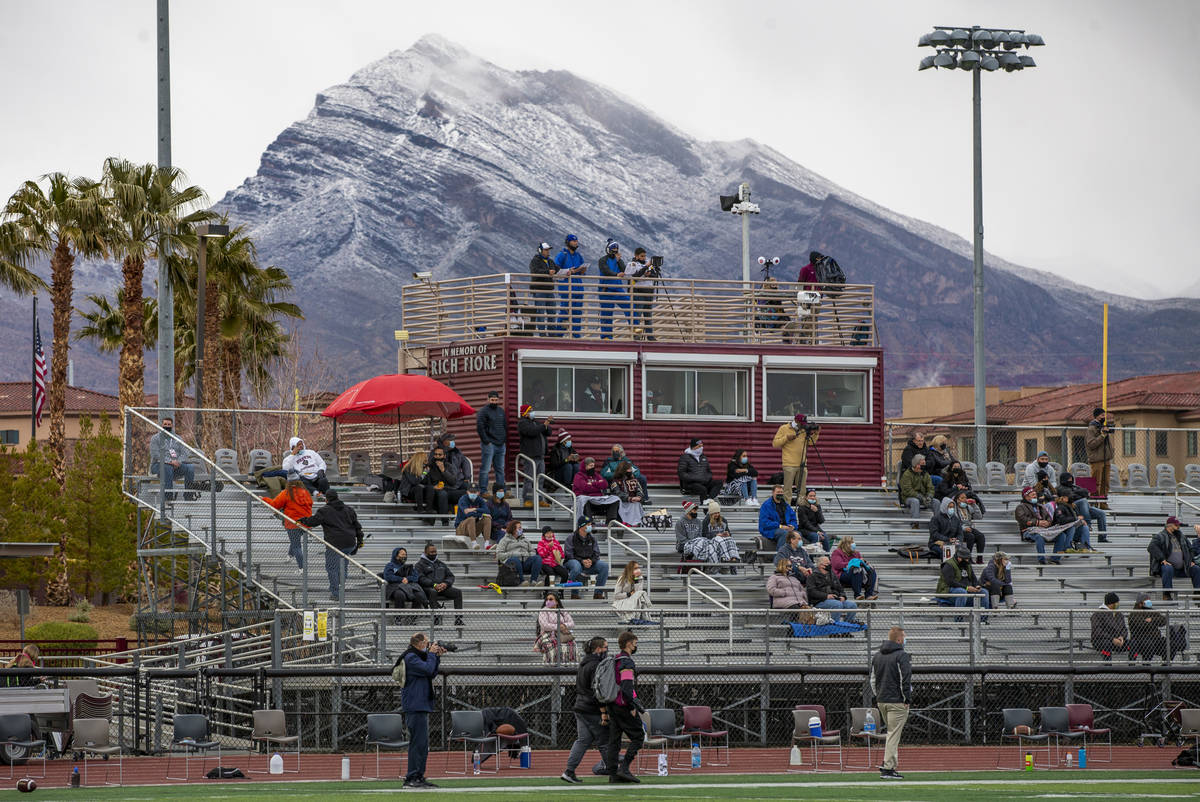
(853, 452)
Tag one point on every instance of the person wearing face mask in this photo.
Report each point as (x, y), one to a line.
(295, 503)
(624, 715)
(810, 520)
(535, 435)
(853, 571)
(500, 511)
(825, 591)
(695, 474)
(591, 718)
(592, 496)
(1034, 521)
(585, 557)
(631, 600)
(796, 556)
(1079, 536)
(1145, 630)
(437, 580)
(438, 486)
(715, 529)
(1079, 497)
(402, 585)
(956, 579)
(555, 639)
(1171, 556)
(1100, 453)
(491, 424)
(167, 455)
(520, 553)
(472, 522)
(793, 439)
(916, 490)
(553, 557)
(741, 478)
(1041, 465)
(629, 491)
(1109, 634)
(609, 470)
(775, 518)
(938, 458)
(951, 525)
(997, 581)
(689, 536)
(459, 465)
(563, 460)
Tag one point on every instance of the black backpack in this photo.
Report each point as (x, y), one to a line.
(1185, 758)
(506, 576)
(829, 271)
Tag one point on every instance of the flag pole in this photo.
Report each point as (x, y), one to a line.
(1104, 365)
(33, 373)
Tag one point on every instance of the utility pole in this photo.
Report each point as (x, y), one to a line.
(166, 299)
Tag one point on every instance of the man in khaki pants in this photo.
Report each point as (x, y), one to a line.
(891, 682)
(793, 439)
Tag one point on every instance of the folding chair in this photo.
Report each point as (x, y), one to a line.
(92, 738)
(270, 727)
(16, 730)
(1189, 725)
(332, 472)
(191, 733)
(1022, 717)
(226, 459)
(1080, 469)
(829, 742)
(1080, 718)
(662, 734)
(858, 720)
(698, 721)
(466, 727)
(385, 731)
(1056, 722)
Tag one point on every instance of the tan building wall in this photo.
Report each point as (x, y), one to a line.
(921, 404)
(22, 425)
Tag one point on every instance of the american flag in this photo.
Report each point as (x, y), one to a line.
(39, 373)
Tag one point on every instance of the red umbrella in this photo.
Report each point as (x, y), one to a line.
(404, 395)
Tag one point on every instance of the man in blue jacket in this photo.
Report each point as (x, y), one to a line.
(776, 517)
(420, 667)
(571, 268)
(613, 287)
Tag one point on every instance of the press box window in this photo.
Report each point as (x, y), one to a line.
(1128, 443)
(825, 395)
(585, 390)
(696, 393)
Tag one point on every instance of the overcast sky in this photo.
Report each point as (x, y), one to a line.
(1091, 168)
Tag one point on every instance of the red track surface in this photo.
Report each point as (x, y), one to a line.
(325, 766)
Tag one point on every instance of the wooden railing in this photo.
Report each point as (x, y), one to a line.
(668, 309)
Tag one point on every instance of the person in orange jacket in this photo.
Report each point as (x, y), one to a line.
(296, 503)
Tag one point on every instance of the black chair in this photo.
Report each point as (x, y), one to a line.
(1056, 723)
(16, 730)
(385, 731)
(191, 733)
(1022, 717)
(466, 727)
(663, 735)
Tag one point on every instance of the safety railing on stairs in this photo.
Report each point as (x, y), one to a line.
(726, 605)
(539, 493)
(624, 529)
(1180, 503)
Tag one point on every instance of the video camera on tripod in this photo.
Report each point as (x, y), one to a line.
(801, 422)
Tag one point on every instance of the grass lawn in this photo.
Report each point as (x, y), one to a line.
(996, 786)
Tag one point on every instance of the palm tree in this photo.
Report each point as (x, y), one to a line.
(14, 255)
(149, 211)
(105, 322)
(65, 220)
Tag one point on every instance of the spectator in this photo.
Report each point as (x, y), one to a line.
(520, 553)
(824, 591)
(438, 485)
(592, 496)
(810, 520)
(552, 555)
(956, 479)
(715, 530)
(407, 486)
(437, 580)
(741, 478)
(891, 682)
(914, 446)
(951, 524)
(295, 503)
(343, 533)
(616, 457)
(585, 558)
(491, 424)
(1078, 536)
(591, 721)
(1145, 630)
(689, 535)
(1040, 466)
(938, 458)
(167, 455)
(1034, 521)
(460, 466)
(997, 581)
(631, 600)
(1109, 633)
(916, 489)
(956, 579)
(785, 589)
(624, 715)
(629, 491)
(642, 276)
(402, 585)
(1079, 497)
(30, 656)
(571, 268)
(853, 571)
(612, 288)
(1100, 453)
(594, 397)
(808, 274)
(555, 631)
(793, 439)
(776, 518)
(472, 522)
(534, 437)
(1171, 556)
(695, 475)
(542, 271)
(563, 460)
(796, 555)
(769, 313)
(421, 661)
(498, 508)
(308, 464)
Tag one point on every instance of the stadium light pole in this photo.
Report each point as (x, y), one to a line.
(975, 50)
(204, 233)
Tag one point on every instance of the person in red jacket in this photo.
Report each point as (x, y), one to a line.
(296, 503)
(554, 559)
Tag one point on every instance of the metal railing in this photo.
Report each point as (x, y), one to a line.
(646, 558)
(1180, 503)
(668, 309)
(538, 493)
(727, 606)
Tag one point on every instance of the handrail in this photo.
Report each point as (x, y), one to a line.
(645, 558)
(536, 479)
(1180, 503)
(726, 607)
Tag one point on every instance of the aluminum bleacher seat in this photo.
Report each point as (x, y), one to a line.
(360, 466)
(332, 472)
(1058, 468)
(259, 458)
(995, 475)
(391, 461)
(1081, 469)
(1138, 476)
(1191, 474)
(972, 472)
(1019, 473)
(226, 459)
(1164, 476)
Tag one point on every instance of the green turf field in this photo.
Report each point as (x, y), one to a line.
(997, 786)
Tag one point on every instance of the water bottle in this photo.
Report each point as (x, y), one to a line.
(345, 768)
(277, 763)
(869, 722)
(1083, 757)
(695, 756)
(1069, 759)
(794, 758)
(475, 762)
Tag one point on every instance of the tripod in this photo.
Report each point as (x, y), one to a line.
(824, 467)
(656, 284)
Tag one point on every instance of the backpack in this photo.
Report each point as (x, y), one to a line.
(399, 671)
(829, 271)
(225, 773)
(605, 687)
(1185, 758)
(506, 576)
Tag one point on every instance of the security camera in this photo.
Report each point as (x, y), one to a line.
(423, 275)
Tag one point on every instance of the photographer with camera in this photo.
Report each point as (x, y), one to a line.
(421, 661)
(1100, 452)
(642, 275)
(793, 439)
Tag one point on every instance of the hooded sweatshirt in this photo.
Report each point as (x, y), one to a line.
(340, 524)
(396, 571)
(305, 462)
(295, 505)
(945, 525)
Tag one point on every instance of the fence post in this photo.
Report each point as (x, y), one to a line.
(136, 706)
(764, 708)
(304, 587)
(276, 660)
(212, 510)
(249, 538)
(1071, 638)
